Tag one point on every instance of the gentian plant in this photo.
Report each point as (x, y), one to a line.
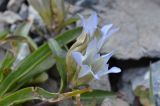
(26, 63)
(91, 63)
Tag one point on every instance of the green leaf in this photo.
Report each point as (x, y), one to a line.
(60, 61)
(151, 90)
(3, 34)
(23, 29)
(26, 94)
(67, 22)
(32, 61)
(70, 21)
(27, 65)
(1, 76)
(68, 36)
(55, 47)
(41, 78)
(6, 64)
(43, 66)
(97, 94)
(61, 67)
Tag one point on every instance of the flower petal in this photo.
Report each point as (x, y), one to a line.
(114, 70)
(92, 47)
(106, 57)
(103, 71)
(113, 30)
(90, 24)
(83, 21)
(105, 29)
(78, 57)
(85, 69)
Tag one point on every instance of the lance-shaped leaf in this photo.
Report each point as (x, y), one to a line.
(3, 34)
(26, 94)
(6, 64)
(59, 56)
(27, 65)
(30, 63)
(97, 94)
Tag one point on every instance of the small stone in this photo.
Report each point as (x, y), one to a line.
(14, 5)
(68, 102)
(114, 102)
(9, 17)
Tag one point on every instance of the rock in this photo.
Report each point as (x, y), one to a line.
(24, 11)
(140, 77)
(135, 77)
(127, 93)
(14, 5)
(34, 14)
(139, 29)
(66, 103)
(9, 17)
(114, 102)
(102, 84)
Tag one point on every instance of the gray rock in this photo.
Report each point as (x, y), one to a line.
(23, 11)
(9, 17)
(141, 77)
(114, 102)
(139, 29)
(14, 5)
(136, 77)
(126, 91)
(102, 84)
(66, 103)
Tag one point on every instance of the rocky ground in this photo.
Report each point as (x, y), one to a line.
(137, 44)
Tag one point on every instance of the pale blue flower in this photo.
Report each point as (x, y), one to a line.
(92, 62)
(106, 32)
(89, 24)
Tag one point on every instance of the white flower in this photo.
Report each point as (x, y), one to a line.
(92, 62)
(89, 24)
(106, 32)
